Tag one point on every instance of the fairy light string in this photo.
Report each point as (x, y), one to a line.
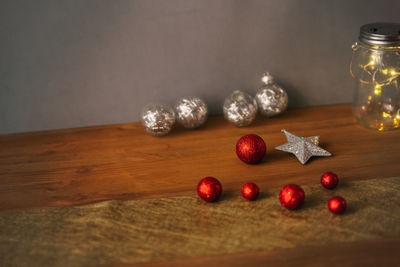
(378, 76)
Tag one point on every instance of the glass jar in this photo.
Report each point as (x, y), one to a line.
(376, 68)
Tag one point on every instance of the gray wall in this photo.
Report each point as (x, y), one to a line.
(77, 63)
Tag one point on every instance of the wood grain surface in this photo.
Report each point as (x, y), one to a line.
(77, 166)
(188, 229)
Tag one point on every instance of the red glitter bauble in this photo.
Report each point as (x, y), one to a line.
(329, 180)
(291, 196)
(337, 205)
(250, 148)
(250, 191)
(209, 189)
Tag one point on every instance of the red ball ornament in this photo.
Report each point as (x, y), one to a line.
(209, 189)
(291, 196)
(337, 205)
(329, 180)
(250, 191)
(250, 148)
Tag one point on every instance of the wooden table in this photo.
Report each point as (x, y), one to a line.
(114, 195)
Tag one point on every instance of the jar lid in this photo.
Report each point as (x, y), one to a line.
(382, 34)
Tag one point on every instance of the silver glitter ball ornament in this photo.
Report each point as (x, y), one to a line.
(271, 98)
(191, 112)
(240, 108)
(157, 119)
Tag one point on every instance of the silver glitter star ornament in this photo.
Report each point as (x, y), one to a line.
(303, 147)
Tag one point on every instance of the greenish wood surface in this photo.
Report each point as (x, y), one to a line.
(139, 231)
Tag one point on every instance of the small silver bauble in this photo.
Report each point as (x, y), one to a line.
(157, 119)
(191, 112)
(240, 108)
(271, 98)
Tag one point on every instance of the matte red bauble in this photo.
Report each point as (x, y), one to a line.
(337, 205)
(291, 196)
(250, 191)
(250, 148)
(329, 180)
(209, 189)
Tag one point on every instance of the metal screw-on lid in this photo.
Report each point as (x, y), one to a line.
(382, 34)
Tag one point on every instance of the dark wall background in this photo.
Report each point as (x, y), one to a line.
(72, 63)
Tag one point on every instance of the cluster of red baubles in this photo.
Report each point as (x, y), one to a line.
(336, 204)
(210, 189)
(251, 149)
